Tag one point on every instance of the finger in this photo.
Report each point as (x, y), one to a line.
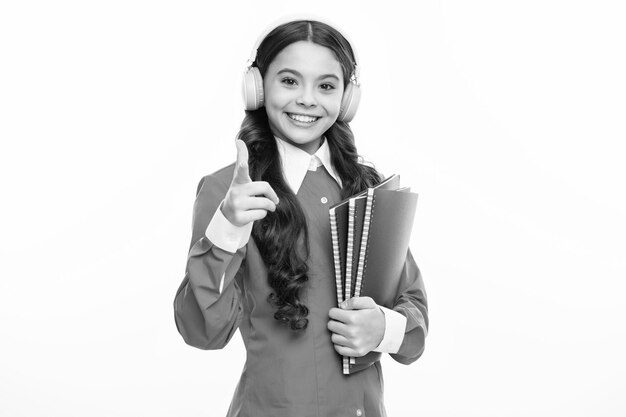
(346, 351)
(257, 203)
(242, 175)
(339, 315)
(251, 215)
(260, 188)
(337, 327)
(340, 340)
(358, 303)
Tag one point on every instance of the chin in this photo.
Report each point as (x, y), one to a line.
(300, 138)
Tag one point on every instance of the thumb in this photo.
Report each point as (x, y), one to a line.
(242, 174)
(358, 303)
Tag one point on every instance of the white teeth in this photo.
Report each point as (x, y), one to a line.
(302, 118)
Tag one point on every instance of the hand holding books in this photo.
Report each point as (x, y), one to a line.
(358, 326)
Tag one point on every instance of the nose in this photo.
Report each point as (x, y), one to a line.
(307, 97)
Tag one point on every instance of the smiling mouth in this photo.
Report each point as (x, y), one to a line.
(302, 118)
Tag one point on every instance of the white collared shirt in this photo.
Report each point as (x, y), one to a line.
(295, 163)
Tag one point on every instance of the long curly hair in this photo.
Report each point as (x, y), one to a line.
(282, 235)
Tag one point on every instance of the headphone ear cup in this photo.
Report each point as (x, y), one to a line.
(349, 103)
(252, 89)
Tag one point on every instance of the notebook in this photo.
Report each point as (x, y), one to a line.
(389, 217)
(339, 235)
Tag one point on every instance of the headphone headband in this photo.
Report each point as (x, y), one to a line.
(296, 17)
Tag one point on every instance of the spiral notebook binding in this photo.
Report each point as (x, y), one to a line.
(337, 259)
(363, 250)
(334, 234)
(349, 254)
(349, 250)
(346, 365)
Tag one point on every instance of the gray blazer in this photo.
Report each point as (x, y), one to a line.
(287, 373)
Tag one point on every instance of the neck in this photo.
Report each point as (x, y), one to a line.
(309, 147)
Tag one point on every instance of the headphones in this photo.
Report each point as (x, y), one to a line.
(252, 85)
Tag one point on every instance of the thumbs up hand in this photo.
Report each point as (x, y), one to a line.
(247, 200)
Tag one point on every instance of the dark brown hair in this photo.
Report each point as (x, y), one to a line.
(282, 236)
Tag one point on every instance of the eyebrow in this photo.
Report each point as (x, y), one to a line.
(300, 75)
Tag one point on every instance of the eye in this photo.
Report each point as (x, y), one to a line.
(327, 87)
(288, 81)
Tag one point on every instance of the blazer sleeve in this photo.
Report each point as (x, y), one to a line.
(412, 303)
(207, 306)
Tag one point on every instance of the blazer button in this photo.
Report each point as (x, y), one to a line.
(359, 413)
(324, 200)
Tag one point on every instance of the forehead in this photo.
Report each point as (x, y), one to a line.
(308, 58)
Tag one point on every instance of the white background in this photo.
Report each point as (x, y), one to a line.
(507, 117)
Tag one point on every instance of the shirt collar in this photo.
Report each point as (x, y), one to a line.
(296, 162)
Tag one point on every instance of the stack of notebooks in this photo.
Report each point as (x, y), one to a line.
(370, 233)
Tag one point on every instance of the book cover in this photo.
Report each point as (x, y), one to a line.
(385, 242)
(356, 229)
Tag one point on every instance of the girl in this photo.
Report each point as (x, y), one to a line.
(261, 255)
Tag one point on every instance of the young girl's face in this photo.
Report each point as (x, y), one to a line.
(303, 88)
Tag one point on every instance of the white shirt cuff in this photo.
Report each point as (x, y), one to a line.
(395, 325)
(225, 235)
